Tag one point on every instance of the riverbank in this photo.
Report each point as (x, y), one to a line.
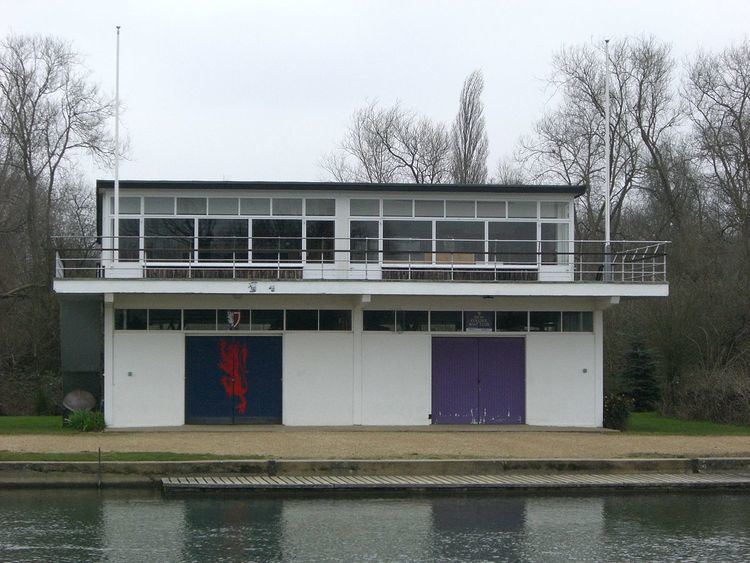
(346, 443)
(562, 472)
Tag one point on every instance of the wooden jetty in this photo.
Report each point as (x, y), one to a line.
(459, 482)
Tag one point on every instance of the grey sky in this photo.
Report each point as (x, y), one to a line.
(261, 90)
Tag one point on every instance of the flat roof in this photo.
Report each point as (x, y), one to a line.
(343, 186)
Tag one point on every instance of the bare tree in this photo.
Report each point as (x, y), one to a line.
(391, 145)
(718, 94)
(49, 109)
(657, 112)
(468, 134)
(567, 144)
(509, 171)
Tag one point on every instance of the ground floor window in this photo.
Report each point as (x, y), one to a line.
(478, 321)
(233, 319)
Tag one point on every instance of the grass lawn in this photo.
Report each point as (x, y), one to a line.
(32, 425)
(653, 423)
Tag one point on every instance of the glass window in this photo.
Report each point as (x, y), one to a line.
(320, 241)
(479, 321)
(120, 319)
(554, 210)
(379, 320)
(233, 319)
(168, 239)
(459, 208)
(363, 241)
(287, 206)
(267, 319)
(445, 321)
(199, 319)
(128, 205)
(574, 321)
(136, 319)
(164, 319)
(255, 206)
(412, 321)
(491, 209)
(277, 239)
(522, 209)
(587, 321)
(407, 241)
(222, 240)
(544, 321)
(222, 205)
(397, 208)
(191, 206)
(158, 205)
(302, 319)
(512, 242)
(320, 207)
(426, 208)
(335, 320)
(364, 207)
(129, 243)
(454, 241)
(512, 321)
(554, 243)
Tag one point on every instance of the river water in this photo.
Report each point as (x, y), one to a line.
(144, 526)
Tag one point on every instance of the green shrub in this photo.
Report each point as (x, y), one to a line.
(639, 377)
(86, 421)
(617, 411)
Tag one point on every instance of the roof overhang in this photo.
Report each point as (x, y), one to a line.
(463, 289)
(208, 185)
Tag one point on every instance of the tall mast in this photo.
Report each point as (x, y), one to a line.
(607, 172)
(116, 230)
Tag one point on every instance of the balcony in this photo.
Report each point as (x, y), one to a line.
(360, 259)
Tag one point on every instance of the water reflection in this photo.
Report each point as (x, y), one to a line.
(130, 526)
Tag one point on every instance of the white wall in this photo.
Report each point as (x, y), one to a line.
(368, 378)
(396, 378)
(318, 380)
(154, 395)
(558, 391)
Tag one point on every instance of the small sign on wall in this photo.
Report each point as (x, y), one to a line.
(478, 321)
(233, 319)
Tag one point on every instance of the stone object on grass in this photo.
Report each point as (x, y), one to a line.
(78, 399)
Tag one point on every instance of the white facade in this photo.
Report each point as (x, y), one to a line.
(357, 377)
(355, 374)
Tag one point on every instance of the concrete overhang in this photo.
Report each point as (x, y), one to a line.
(459, 289)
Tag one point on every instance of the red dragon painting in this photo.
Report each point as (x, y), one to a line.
(233, 364)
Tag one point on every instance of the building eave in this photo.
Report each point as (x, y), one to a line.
(462, 289)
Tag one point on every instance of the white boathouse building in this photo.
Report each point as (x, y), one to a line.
(304, 303)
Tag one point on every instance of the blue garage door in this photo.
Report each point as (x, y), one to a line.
(232, 379)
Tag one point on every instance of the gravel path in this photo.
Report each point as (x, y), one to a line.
(344, 444)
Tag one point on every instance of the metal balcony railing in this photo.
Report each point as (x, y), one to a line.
(375, 259)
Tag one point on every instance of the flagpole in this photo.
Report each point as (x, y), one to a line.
(116, 230)
(607, 172)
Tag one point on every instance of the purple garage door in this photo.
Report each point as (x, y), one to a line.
(478, 380)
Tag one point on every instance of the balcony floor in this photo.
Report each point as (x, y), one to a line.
(361, 287)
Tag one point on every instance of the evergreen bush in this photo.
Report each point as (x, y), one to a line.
(639, 378)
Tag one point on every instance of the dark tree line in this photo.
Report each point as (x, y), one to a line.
(50, 113)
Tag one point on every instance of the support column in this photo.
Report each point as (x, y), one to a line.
(109, 359)
(357, 374)
(599, 365)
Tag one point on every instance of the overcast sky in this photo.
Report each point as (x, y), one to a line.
(262, 90)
